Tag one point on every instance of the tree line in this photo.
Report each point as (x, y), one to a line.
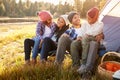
(10, 8)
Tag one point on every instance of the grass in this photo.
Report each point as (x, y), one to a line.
(12, 58)
(11, 43)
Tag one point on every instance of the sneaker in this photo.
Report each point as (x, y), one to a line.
(82, 69)
(34, 61)
(27, 62)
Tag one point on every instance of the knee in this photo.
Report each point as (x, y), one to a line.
(75, 43)
(26, 40)
(85, 39)
(94, 43)
(62, 39)
(46, 39)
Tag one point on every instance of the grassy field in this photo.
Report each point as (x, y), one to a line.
(12, 57)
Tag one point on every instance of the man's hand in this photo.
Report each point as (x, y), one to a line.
(79, 38)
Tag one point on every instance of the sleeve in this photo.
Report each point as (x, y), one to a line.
(53, 28)
(97, 30)
(39, 30)
(67, 31)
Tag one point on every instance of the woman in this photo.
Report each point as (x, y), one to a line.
(45, 28)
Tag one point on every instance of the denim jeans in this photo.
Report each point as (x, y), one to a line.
(36, 47)
(47, 46)
(28, 44)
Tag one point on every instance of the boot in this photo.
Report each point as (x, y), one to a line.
(34, 61)
(27, 62)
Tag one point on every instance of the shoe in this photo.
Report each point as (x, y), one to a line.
(27, 62)
(43, 61)
(34, 61)
(82, 69)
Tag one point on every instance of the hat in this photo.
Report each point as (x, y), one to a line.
(70, 16)
(93, 12)
(44, 15)
(65, 17)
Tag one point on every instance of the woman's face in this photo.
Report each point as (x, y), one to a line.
(60, 22)
(49, 21)
(76, 20)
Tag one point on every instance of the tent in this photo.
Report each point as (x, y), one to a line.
(110, 16)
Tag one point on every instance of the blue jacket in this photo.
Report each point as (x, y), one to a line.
(71, 33)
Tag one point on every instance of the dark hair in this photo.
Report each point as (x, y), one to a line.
(71, 15)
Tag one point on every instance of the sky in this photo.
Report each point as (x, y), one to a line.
(53, 1)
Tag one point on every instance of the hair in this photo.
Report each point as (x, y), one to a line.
(71, 15)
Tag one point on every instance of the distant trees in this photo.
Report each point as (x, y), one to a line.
(78, 5)
(21, 9)
(102, 3)
(2, 9)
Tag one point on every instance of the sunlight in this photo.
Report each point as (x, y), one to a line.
(51, 1)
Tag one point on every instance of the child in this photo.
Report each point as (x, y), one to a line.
(45, 28)
(89, 31)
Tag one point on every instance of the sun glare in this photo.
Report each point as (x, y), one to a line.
(52, 1)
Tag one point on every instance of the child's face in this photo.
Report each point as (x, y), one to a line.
(91, 20)
(76, 19)
(60, 22)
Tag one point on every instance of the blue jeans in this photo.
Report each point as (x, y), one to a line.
(47, 46)
(28, 44)
(36, 47)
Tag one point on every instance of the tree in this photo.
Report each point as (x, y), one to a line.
(78, 5)
(27, 8)
(20, 8)
(87, 5)
(102, 3)
(13, 8)
(64, 8)
(7, 7)
(2, 9)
